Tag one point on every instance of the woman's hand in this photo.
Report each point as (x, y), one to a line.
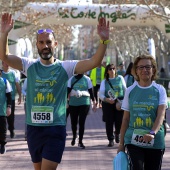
(110, 100)
(148, 137)
(121, 148)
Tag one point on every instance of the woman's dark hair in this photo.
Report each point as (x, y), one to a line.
(106, 75)
(129, 69)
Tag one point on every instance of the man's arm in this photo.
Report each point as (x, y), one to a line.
(6, 26)
(86, 65)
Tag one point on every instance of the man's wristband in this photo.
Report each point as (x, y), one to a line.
(104, 41)
(9, 106)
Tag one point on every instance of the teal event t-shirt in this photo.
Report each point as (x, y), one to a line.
(142, 103)
(47, 91)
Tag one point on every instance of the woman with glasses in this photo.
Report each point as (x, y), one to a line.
(47, 79)
(144, 104)
(112, 90)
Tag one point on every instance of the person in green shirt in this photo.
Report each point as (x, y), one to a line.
(47, 79)
(121, 71)
(13, 79)
(5, 110)
(81, 93)
(112, 89)
(142, 131)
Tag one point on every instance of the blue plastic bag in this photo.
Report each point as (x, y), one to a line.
(121, 162)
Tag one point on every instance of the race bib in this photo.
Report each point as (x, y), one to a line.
(137, 138)
(111, 94)
(42, 114)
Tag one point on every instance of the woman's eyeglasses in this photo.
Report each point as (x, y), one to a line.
(147, 67)
(111, 69)
(45, 30)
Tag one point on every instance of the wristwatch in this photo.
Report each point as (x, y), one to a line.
(152, 133)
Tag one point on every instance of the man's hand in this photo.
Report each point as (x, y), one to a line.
(6, 23)
(103, 29)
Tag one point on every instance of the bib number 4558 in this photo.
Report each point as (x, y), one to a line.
(38, 117)
(41, 116)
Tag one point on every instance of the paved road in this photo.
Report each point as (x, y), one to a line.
(96, 156)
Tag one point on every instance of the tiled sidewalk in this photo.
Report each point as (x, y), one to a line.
(96, 156)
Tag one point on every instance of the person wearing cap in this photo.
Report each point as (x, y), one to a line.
(121, 71)
(47, 79)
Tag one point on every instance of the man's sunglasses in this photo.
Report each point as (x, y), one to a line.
(47, 31)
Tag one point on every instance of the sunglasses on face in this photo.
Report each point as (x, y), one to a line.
(111, 69)
(147, 67)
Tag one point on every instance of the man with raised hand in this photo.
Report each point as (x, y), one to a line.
(47, 90)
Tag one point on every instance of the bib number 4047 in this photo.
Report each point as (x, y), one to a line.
(138, 140)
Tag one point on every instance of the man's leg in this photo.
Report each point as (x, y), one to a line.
(37, 166)
(50, 165)
(45, 164)
(46, 146)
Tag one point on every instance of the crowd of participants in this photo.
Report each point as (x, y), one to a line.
(138, 118)
(103, 88)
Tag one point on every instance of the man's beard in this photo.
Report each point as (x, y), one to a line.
(45, 56)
